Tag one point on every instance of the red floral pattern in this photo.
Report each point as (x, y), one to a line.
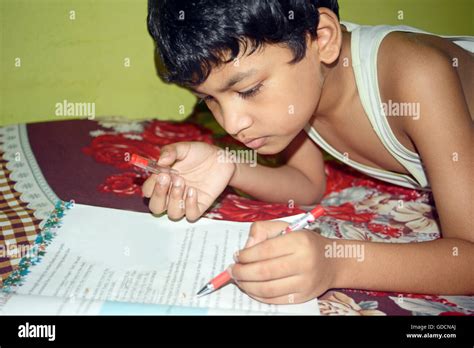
(237, 208)
(124, 184)
(115, 149)
(163, 133)
(385, 229)
(347, 212)
(340, 177)
(357, 206)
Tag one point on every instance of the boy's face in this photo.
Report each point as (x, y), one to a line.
(272, 100)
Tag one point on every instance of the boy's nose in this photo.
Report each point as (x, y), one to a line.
(235, 122)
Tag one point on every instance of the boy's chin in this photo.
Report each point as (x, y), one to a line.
(263, 151)
(270, 149)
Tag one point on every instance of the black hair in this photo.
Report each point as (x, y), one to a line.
(192, 36)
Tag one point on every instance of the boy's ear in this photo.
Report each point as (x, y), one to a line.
(329, 36)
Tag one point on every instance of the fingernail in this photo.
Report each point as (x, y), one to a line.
(236, 256)
(190, 192)
(177, 184)
(162, 179)
(250, 242)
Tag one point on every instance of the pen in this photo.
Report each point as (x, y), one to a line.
(150, 165)
(224, 277)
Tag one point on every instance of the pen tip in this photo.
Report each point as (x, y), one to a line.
(204, 291)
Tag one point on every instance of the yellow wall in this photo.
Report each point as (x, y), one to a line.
(83, 60)
(449, 17)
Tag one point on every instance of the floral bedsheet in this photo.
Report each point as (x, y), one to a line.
(83, 161)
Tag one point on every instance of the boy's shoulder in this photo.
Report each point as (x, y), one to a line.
(410, 65)
(420, 69)
(411, 59)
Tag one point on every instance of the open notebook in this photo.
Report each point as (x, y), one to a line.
(108, 261)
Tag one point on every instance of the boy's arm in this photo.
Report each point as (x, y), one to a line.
(301, 180)
(442, 266)
(443, 136)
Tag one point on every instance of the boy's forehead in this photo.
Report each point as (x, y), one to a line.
(244, 66)
(225, 83)
(249, 57)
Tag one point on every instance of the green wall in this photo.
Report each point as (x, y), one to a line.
(448, 17)
(83, 60)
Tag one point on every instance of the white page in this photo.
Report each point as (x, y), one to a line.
(114, 259)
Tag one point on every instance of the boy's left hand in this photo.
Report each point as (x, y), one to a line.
(287, 269)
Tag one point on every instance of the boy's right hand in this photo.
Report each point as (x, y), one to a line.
(203, 175)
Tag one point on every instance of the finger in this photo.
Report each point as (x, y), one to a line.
(278, 268)
(268, 249)
(158, 199)
(173, 152)
(285, 299)
(149, 185)
(176, 204)
(192, 208)
(272, 288)
(262, 230)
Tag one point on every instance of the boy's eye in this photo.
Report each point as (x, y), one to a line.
(244, 95)
(250, 93)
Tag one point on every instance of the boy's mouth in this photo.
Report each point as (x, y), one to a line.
(256, 142)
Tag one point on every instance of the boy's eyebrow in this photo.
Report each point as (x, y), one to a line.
(233, 80)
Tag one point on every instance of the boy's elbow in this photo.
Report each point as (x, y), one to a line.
(314, 194)
(316, 200)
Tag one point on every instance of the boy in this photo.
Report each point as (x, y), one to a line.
(283, 76)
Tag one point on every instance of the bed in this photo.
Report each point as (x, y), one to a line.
(81, 161)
